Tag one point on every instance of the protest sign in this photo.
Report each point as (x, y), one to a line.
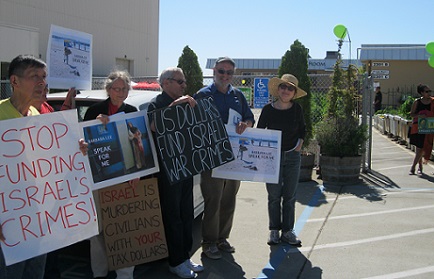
(121, 150)
(257, 156)
(46, 200)
(191, 140)
(426, 125)
(132, 224)
(69, 58)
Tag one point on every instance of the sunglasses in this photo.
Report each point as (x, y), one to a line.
(179, 81)
(427, 91)
(228, 72)
(287, 87)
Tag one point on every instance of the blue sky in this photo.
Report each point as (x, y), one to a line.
(266, 29)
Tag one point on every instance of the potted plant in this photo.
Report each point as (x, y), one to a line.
(340, 136)
(295, 62)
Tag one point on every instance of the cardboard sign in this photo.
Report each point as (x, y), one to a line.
(121, 150)
(132, 224)
(191, 140)
(257, 156)
(46, 200)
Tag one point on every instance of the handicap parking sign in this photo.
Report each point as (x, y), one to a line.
(261, 92)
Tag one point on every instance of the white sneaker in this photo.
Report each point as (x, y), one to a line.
(182, 271)
(193, 266)
(274, 237)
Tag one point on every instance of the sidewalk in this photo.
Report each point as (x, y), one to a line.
(380, 228)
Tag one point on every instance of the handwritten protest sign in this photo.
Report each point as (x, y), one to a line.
(132, 224)
(121, 150)
(257, 156)
(46, 201)
(191, 140)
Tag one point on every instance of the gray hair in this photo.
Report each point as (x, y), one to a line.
(168, 73)
(115, 75)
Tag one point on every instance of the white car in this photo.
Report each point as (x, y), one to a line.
(138, 98)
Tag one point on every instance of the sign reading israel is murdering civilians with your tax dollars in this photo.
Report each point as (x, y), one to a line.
(121, 150)
(191, 139)
(132, 223)
(257, 156)
(46, 200)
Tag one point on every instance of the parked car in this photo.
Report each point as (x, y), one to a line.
(138, 98)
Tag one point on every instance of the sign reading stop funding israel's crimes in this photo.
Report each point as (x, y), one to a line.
(191, 140)
(46, 200)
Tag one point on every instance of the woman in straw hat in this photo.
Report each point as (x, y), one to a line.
(287, 116)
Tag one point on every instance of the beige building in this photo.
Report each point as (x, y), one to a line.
(125, 33)
(397, 68)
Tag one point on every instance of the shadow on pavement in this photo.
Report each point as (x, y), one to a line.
(307, 190)
(285, 259)
(361, 190)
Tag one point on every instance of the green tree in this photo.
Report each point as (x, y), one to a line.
(193, 73)
(295, 62)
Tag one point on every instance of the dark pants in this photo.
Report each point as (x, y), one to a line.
(177, 209)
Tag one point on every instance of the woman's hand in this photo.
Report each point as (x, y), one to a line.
(83, 146)
(103, 118)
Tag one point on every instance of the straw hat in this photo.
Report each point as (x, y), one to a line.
(273, 85)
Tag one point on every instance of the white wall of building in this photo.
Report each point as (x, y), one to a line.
(121, 30)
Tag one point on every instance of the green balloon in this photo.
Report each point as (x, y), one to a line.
(430, 47)
(431, 61)
(340, 31)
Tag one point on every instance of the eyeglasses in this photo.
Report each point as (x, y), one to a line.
(287, 87)
(228, 72)
(179, 81)
(118, 89)
(427, 91)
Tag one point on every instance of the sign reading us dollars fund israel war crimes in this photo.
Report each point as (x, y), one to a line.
(191, 140)
(132, 224)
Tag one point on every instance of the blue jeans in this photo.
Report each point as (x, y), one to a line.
(29, 269)
(281, 196)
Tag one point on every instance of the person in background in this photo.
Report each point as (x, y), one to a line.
(177, 199)
(27, 76)
(287, 116)
(220, 194)
(421, 108)
(117, 85)
(378, 99)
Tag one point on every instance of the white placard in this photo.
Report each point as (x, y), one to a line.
(46, 200)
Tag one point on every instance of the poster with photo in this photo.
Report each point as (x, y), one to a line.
(46, 198)
(121, 150)
(69, 59)
(257, 156)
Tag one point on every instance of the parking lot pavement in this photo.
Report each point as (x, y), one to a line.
(380, 228)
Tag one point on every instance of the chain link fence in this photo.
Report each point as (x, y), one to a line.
(320, 84)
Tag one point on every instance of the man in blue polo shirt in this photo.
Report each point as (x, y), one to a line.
(220, 194)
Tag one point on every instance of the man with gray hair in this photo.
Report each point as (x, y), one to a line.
(177, 199)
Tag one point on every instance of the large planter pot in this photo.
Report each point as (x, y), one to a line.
(306, 167)
(340, 171)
